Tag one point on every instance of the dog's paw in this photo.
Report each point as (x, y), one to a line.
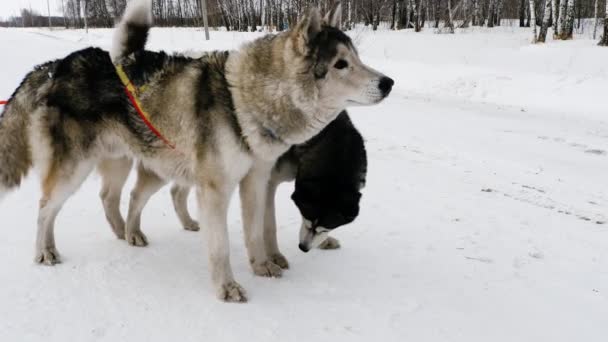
(232, 292)
(120, 235)
(279, 260)
(119, 231)
(48, 256)
(192, 226)
(330, 243)
(137, 238)
(118, 227)
(267, 269)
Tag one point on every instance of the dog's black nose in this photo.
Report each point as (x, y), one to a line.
(386, 84)
(304, 248)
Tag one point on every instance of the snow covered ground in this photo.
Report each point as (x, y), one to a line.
(484, 219)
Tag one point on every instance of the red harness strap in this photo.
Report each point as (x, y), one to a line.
(132, 91)
(129, 89)
(143, 116)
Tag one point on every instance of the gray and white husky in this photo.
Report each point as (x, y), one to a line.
(229, 116)
(329, 171)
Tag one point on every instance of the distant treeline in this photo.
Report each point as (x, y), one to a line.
(247, 15)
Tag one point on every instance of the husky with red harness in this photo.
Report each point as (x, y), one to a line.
(228, 116)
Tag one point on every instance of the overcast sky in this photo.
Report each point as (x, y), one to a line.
(12, 7)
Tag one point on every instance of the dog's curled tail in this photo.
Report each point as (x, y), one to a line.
(131, 33)
(15, 152)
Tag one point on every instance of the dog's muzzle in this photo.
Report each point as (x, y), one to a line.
(386, 85)
(311, 236)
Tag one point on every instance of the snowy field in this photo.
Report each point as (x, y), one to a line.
(484, 218)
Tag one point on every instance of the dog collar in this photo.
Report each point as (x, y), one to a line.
(132, 93)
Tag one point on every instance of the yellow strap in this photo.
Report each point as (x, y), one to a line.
(125, 79)
(132, 93)
(131, 87)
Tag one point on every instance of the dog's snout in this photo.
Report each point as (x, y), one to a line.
(385, 85)
(304, 247)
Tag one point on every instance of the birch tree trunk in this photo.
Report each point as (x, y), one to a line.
(350, 18)
(395, 25)
(263, 14)
(595, 19)
(436, 12)
(568, 27)
(407, 13)
(86, 26)
(415, 16)
(604, 40)
(65, 23)
(499, 11)
(562, 17)
(533, 20)
(475, 12)
(424, 12)
(48, 7)
(205, 21)
(554, 11)
(491, 13)
(545, 26)
(450, 17)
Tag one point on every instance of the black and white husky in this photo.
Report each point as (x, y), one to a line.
(225, 119)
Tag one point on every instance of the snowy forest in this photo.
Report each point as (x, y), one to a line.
(276, 15)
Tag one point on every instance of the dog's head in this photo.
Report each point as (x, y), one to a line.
(324, 207)
(332, 62)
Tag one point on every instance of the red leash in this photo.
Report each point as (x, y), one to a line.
(3, 102)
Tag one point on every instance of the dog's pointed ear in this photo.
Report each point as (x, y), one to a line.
(333, 18)
(307, 29)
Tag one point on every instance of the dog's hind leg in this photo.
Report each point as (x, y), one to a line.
(148, 183)
(213, 200)
(59, 183)
(179, 194)
(270, 228)
(253, 196)
(114, 174)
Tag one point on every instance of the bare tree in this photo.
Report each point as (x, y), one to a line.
(522, 13)
(595, 19)
(533, 20)
(205, 20)
(555, 14)
(415, 16)
(450, 21)
(49, 9)
(86, 26)
(476, 14)
(395, 21)
(567, 27)
(562, 17)
(604, 40)
(491, 11)
(542, 36)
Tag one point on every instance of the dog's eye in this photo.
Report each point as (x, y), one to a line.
(341, 64)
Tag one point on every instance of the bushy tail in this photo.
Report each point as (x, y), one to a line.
(131, 33)
(15, 154)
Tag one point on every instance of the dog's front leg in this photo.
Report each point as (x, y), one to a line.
(253, 196)
(270, 228)
(213, 200)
